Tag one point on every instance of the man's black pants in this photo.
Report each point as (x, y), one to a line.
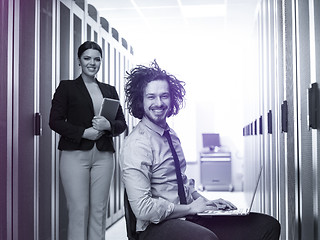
(255, 226)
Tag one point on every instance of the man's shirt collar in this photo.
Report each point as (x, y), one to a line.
(154, 127)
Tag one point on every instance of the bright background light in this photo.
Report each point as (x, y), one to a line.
(205, 46)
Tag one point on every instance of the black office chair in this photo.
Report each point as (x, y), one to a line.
(130, 219)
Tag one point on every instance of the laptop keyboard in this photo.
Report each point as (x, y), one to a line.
(239, 211)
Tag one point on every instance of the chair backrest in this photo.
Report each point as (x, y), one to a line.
(130, 219)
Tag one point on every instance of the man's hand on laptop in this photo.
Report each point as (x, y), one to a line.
(221, 204)
(199, 205)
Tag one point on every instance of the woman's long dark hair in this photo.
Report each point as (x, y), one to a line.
(137, 80)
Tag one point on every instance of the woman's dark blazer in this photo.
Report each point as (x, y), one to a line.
(72, 112)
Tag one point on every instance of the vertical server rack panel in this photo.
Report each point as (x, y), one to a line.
(305, 187)
(19, 183)
(288, 106)
(291, 159)
(6, 27)
(314, 11)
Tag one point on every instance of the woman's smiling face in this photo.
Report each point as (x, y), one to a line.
(90, 62)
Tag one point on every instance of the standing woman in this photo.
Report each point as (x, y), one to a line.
(86, 160)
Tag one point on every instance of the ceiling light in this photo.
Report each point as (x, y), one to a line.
(199, 11)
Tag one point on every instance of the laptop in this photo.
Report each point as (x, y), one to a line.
(236, 212)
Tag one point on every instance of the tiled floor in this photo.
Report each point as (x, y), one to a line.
(118, 230)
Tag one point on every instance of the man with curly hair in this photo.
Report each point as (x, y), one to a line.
(153, 170)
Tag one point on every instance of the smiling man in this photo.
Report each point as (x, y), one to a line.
(153, 170)
(156, 102)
